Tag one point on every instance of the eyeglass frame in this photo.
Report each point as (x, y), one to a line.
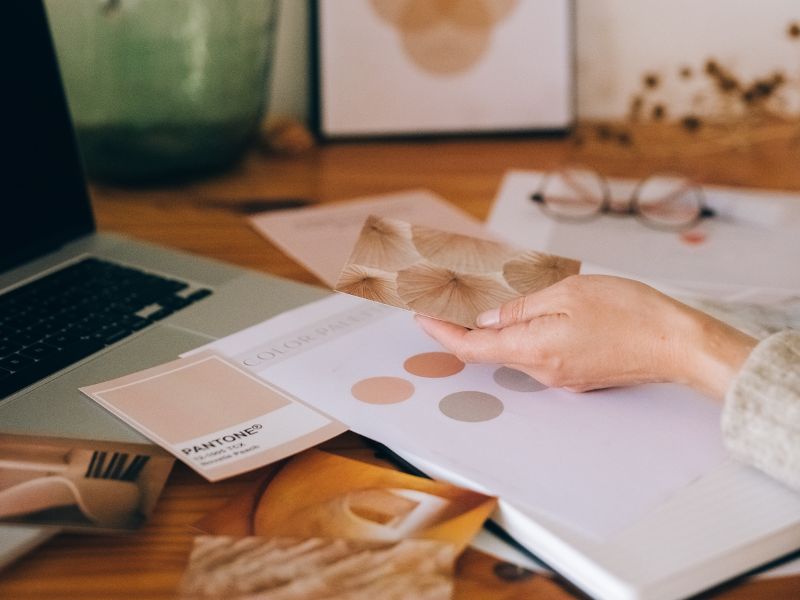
(631, 206)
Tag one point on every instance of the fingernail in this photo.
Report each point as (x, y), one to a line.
(490, 318)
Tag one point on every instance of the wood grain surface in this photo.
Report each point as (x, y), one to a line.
(207, 217)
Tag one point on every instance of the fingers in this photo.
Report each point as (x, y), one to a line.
(524, 308)
(468, 345)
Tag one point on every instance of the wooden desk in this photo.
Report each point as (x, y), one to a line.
(208, 218)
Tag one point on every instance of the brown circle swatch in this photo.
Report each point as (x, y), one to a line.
(433, 364)
(471, 407)
(382, 390)
(517, 381)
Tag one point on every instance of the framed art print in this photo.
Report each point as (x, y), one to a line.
(428, 67)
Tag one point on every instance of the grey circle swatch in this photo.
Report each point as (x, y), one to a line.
(471, 407)
(517, 381)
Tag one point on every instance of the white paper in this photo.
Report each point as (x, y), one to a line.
(753, 242)
(594, 462)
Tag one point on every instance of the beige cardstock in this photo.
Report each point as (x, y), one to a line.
(217, 418)
(444, 275)
(321, 237)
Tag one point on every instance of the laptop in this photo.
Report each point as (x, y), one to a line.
(76, 306)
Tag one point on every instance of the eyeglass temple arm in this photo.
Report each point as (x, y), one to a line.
(538, 196)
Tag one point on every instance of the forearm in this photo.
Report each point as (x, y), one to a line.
(714, 353)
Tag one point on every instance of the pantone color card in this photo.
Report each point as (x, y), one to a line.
(217, 418)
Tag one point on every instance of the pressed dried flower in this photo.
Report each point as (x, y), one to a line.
(372, 284)
(691, 123)
(637, 103)
(651, 81)
(624, 138)
(460, 252)
(451, 296)
(384, 244)
(603, 132)
(533, 271)
(727, 83)
(793, 31)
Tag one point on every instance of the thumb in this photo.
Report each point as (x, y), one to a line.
(521, 309)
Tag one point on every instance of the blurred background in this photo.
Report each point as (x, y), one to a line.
(648, 75)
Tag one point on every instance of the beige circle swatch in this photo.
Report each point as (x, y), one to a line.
(517, 381)
(433, 364)
(382, 390)
(471, 407)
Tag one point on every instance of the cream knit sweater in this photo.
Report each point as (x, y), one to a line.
(761, 416)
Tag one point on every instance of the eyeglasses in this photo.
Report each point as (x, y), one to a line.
(663, 201)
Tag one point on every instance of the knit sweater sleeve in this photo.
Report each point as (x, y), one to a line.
(761, 415)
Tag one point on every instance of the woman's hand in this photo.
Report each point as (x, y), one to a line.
(592, 331)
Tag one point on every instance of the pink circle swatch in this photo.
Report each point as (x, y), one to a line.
(433, 364)
(382, 390)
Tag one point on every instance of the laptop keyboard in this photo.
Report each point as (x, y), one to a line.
(59, 319)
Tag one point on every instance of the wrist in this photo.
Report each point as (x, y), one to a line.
(714, 355)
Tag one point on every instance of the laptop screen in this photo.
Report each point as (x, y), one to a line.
(43, 195)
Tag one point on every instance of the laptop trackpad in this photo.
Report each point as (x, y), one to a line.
(57, 408)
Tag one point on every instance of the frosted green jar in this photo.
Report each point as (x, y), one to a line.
(163, 89)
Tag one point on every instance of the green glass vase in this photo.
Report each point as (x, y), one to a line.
(163, 89)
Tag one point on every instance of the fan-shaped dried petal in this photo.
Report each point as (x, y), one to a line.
(534, 271)
(384, 244)
(446, 294)
(372, 284)
(460, 252)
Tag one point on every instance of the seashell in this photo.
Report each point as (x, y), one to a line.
(533, 271)
(372, 284)
(449, 295)
(460, 253)
(384, 244)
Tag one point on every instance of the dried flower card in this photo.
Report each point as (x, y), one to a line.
(444, 275)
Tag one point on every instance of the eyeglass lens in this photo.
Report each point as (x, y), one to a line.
(573, 193)
(669, 200)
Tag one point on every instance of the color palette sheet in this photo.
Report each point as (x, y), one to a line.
(593, 462)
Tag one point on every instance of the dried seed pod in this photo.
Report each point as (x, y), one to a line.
(449, 295)
(533, 271)
(372, 284)
(460, 252)
(384, 244)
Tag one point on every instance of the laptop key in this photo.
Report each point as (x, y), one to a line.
(116, 336)
(8, 347)
(38, 351)
(53, 363)
(16, 362)
(198, 295)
